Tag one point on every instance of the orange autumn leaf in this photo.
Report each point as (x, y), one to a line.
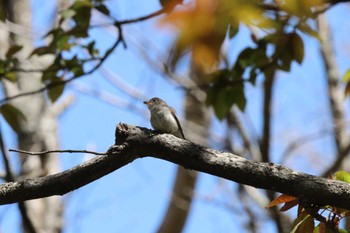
(203, 27)
(289, 205)
(283, 198)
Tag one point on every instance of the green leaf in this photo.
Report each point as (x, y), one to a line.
(273, 38)
(42, 51)
(285, 61)
(13, 116)
(11, 76)
(347, 89)
(83, 12)
(305, 28)
(103, 9)
(210, 97)
(246, 57)
(91, 48)
(56, 33)
(232, 30)
(78, 31)
(297, 46)
(68, 13)
(55, 92)
(235, 95)
(342, 176)
(250, 57)
(73, 62)
(13, 50)
(218, 76)
(220, 107)
(63, 43)
(48, 76)
(78, 71)
(223, 99)
(252, 76)
(346, 76)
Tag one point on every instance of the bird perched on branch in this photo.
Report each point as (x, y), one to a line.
(163, 117)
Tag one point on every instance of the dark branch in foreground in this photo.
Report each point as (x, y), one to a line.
(134, 142)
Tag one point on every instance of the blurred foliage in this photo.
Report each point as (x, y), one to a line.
(275, 30)
(13, 116)
(202, 26)
(71, 49)
(342, 176)
(169, 5)
(346, 80)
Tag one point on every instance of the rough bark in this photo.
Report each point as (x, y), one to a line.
(135, 142)
(39, 130)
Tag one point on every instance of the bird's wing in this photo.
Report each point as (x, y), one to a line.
(178, 122)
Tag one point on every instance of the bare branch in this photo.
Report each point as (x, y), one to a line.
(56, 151)
(109, 98)
(119, 83)
(143, 18)
(135, 142)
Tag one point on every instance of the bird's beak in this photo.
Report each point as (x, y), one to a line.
(145, 102)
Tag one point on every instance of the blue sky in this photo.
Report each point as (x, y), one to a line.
(134, 198)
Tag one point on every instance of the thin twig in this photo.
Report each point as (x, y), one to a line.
(120, 39)
(143, 18)
(57, 151)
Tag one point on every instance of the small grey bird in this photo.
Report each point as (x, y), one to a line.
(163, 117)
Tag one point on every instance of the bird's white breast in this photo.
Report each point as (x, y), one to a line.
(163, 121)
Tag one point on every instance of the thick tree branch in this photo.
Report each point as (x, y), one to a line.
(135, 142)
